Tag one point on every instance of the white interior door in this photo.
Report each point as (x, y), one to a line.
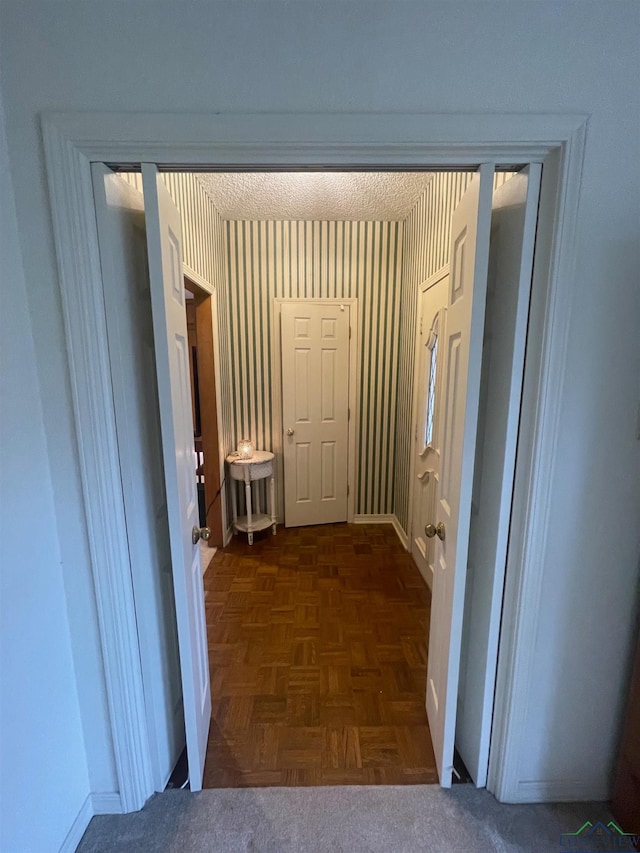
(461, 351)
(123, 256)
(172, 367)
(427, 436)
(315, 411)
(513, 230)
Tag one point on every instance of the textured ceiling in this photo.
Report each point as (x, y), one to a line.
(314, 195)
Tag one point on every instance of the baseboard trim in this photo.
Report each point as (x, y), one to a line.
(106, 803)
(361, 518)
(389, 518)
(402, 536)
(427, 578)
(561, 791)
(78, 827)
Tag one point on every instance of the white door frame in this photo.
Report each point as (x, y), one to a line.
(422, 288)
(290, 141)
(354, 379)
(210, 290)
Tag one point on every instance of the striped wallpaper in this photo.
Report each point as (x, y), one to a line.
(203, 239)
(381, 263)
(203, 235)
(426, 239)
(425, 251)
(267, 259)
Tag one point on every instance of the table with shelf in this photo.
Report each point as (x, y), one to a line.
(247, 471)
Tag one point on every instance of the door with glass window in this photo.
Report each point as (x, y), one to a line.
(432, 307)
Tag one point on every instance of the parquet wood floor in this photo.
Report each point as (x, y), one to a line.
(318, 655)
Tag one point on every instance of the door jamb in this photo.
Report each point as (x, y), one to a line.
(354, 384)
(307, 141)
(205, 292)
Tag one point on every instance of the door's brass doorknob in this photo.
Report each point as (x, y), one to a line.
(289, 431)
(200, 533)
(431, 531)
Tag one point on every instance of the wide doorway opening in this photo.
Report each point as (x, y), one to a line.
(305, 652)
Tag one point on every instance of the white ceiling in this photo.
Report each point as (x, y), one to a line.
(383, 196)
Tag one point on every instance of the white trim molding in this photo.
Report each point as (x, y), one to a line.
(106, 803)
(78, 827)
(301, 141)
(562, 791)
(198, 280)
(75, 234)
(94, 804)
(211, 290)
(389, 518)
(552, 293)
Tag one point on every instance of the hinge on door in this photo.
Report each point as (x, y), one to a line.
(420, 325)
(349, 414)
(347, 489)
(349, 332)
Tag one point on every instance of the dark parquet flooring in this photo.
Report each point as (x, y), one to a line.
(318, 654)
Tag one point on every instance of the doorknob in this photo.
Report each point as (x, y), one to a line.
(432, 531)
(200, 533)
(289, 431)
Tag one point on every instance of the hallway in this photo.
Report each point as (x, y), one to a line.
(317, 648)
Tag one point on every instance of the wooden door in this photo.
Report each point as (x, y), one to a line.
(172, 368)
(315, 412)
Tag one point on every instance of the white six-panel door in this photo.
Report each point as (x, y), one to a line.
(123, 256)
(461, 355)
(315, 409)
(172, 366)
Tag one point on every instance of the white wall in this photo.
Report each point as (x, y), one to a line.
(401, 57)
(44, 780)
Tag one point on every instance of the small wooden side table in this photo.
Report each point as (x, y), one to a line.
(247, 471)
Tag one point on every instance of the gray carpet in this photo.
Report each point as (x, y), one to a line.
(327, 820)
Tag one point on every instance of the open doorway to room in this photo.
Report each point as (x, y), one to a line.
(204, 407)
(318, 637)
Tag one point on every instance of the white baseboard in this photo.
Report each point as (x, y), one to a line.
(78, 827)
(106, 803)
(372, 519)
(206, 558)
(93, 805)
(399, 529)
(561, 791)
(389, 518)
(426, 575)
